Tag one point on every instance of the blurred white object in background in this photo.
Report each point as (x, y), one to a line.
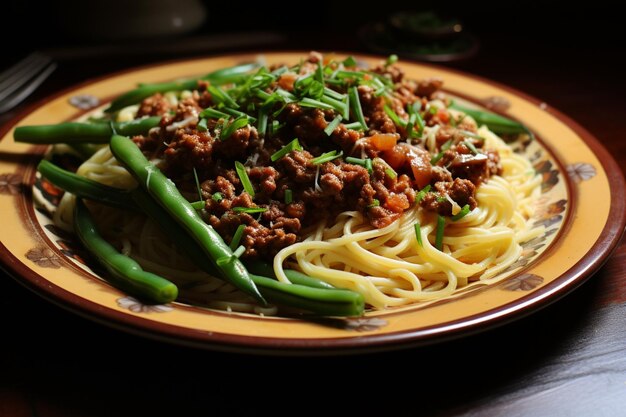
(129, 19)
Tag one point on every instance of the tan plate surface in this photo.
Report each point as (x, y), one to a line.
(582, 206)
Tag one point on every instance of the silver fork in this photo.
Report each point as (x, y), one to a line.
(19, 81)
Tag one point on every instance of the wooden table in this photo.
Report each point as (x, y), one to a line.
(566, 360)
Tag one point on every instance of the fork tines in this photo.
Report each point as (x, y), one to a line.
(20, 80)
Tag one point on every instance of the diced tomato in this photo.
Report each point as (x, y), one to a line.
(420, 165)
(383, 141)
(443, 115)
(397, 203)
(395, 157)
(287, 80)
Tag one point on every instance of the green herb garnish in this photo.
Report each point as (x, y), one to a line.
(237, 236)
(326, 157)
(332, 125)
(245, 180)
(464, 211)
(441, 224)
(294, 145)
(249, 209)
(418, 233)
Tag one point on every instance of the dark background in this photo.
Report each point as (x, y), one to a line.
(586, 31)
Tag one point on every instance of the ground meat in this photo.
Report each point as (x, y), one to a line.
(459, 190)
(189, 148)
(380, 122)
(237, 143)
(295, 193)
(393, 72)
(265, 177)
(155, 105)
(428, 86)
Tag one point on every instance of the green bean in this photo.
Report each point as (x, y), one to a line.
(296, 277)
(72, 132)
(322, 301)
(84, 187)
(164, 191)
(124, 271)
(495, 122)
(222, 76)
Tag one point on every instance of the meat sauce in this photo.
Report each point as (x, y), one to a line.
(294, 190)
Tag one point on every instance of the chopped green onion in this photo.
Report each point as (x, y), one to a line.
(262, 123)
(263, 95)
(433, 110)
(238, 123)
(354, 126)
(391, 60)
(420, 124)
(471, 135)
(239, 251)
(288, 196)
(350, 74)
(198, 205)
(334, 94)
(319, 73)
(316, 104)
(220, 96)
(337, 105)
(394, 116)
(391, 173)
(332, 125)
(355, 103)
(415, 119)
(285, 95)
(214, 114)
(381, 88)
(202, 125)
(441, 199)
(238, 113)
(275, 127)
(245, 180)
(346, 110)
(375, 203)
(217, 197)
(303, 81)
(326, 157)
(249, 209)
(356, 161)
(237, 236)
(441, 224)
(464, 211)
(195, 176)
(444, 148)
(418, 233)
(471, 147)
(411, 124)
(294, 145)
(422, 193)
(349, 62)
(365, 162)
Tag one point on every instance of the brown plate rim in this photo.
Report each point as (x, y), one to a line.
(570, 280)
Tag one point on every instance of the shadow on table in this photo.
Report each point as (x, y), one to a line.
(65, 363)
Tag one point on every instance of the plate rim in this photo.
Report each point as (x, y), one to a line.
(576, 275)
